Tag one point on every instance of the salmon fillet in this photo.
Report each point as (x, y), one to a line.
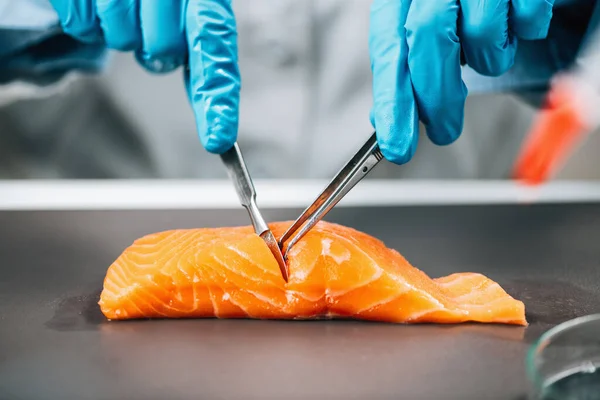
(335, 272)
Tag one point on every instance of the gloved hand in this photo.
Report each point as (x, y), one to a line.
(415, 48)
(165, 34)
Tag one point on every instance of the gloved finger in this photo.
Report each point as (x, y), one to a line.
(163, 28)
(434, 64)
(530, 19)
(214, 73)
(394, 114)
(78, 19)
(120, 22)
(488, 45)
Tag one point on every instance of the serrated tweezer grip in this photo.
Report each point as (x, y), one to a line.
(353, 172)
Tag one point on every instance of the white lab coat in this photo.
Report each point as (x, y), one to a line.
(306, 97)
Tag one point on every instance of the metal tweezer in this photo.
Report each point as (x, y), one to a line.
(353, 172)
(238, 172)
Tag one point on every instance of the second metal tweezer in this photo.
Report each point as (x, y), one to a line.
(238, 172)
(356, 169)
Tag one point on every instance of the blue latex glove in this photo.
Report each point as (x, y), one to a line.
(415, 49)
(166, 34)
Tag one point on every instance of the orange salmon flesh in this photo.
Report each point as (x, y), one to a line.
(335, 272)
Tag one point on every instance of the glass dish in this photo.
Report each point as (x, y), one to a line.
(564, 364)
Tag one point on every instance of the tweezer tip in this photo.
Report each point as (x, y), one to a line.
(282, 265)
(283, 268)
(276, 251)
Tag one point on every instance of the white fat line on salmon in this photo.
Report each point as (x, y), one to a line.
(149, 292)
(433, 310)
(479, 290)
(338, 258)
(220, 262)
(331, 294)
(179, 295)
(383, 301)
(298, 273)
(487, 305)
(111, 287)
(240, 272)
(183, 271)
(194, 282)
(357, 248)
(407, 285)
(231, 298)
(128, 290)
(458, 278)
(213, 300)
(107, 290)
(143, 252)
(125, 261)
(169, 254)
(143, 261)
(199, 279)
(148, 243)
(265, 299)
(137, 298)
(259, 297)
(303, 296)
(477, 283)
(424, 313)
(135, 306)
(312, 299)
(118, 279)
(211, 295)
(151, 249)
(451, 282)
(291, 296)
(298, 247)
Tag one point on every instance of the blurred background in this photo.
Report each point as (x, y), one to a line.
(306, 97)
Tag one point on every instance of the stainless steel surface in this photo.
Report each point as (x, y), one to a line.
(55, 343)
(238, 172)
(353, 172)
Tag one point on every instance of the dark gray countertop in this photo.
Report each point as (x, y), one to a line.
(55, 344)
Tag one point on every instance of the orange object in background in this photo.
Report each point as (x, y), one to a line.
(558, 128)
(571, 113)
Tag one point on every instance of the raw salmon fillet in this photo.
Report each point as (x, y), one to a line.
(335, 272)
